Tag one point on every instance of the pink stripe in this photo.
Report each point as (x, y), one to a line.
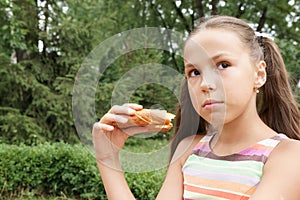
(202, 147)
(252, 152)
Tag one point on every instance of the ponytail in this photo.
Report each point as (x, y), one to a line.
(277, 105)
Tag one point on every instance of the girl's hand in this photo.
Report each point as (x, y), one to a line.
(109, 138)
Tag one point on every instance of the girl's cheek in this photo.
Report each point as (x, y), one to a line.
(195, 96)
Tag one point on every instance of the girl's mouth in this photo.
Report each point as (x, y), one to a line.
(211, 104)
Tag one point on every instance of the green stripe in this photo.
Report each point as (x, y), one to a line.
(246, 168)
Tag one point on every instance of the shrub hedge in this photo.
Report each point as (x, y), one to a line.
(62, 169)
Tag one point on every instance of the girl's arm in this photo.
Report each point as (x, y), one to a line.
(107, 143)
(173, 185)
(117, 188)
(281, 176)
(114, 182)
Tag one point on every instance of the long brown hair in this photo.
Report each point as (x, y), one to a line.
(277, 106)
(187, 122)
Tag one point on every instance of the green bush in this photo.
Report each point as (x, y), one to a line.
(61, 169)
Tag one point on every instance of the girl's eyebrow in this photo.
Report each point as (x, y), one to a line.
(188, 65)
(219, 55)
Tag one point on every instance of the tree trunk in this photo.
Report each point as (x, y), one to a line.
(200, 8)
(214, 10)
(240, 12)
(29, 16)
(45, 43)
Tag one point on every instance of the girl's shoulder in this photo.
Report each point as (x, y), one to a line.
(281, 172)
(286, 149)
(286, 153)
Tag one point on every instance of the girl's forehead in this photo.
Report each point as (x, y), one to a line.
(209, 42)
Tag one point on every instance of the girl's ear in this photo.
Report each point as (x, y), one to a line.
(260, 74)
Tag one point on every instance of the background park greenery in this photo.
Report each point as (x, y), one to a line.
(42, 46)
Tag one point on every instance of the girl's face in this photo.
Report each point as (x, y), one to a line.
(221, 76)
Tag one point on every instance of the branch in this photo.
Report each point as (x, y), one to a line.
(159, 15)
(262, 20)
(185, 23)
(169, 35)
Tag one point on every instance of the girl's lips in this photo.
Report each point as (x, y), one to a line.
(210, 104)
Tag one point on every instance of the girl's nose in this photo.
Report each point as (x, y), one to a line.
(207, 87)
(208, 83)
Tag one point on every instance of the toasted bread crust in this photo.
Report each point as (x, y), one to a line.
(142, 117)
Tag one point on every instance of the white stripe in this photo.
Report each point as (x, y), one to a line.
(206, 138)
(196, 196)
(269, 142)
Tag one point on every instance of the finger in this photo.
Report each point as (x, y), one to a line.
(125, 110)
(102, 127)
(106, 127)
(134, 106)
(112, 119)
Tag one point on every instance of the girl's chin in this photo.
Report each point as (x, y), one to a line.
(215, 118)
(217, 124)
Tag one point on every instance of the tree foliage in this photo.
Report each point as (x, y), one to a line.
(44, 43)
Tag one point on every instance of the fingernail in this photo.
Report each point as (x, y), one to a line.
(139, 106)
(110, 128)
(131, 111)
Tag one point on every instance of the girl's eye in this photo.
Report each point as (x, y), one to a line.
(194, 72)
(223, 65)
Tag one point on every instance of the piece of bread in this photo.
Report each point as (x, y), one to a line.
(161, 119)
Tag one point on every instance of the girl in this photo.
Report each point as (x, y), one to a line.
(240, 88)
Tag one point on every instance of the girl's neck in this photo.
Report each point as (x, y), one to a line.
(245, 130)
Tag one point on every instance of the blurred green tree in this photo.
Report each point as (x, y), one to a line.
(44, 42)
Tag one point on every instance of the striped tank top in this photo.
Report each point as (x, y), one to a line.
(236, 176)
